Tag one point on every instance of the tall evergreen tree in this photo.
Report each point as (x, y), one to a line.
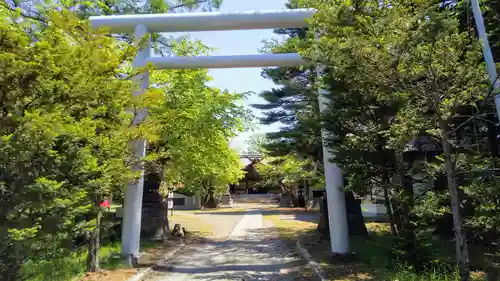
(413, 54)
(294, 104)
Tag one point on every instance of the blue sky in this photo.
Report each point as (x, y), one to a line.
(241, 43)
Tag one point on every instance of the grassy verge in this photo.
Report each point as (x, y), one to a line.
(290, 229)
(73, 266)
(373, 260)
(192, 222)
(218, 210)
(373, 254)
(375, 251)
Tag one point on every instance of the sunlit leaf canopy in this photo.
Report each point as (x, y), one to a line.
(66, 113)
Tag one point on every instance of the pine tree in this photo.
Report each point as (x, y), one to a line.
(294, 104)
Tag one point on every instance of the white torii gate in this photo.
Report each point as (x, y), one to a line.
(186, 22)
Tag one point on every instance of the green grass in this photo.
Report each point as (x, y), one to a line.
(289, 229)
(74, 265)
(375, 253)
(193, 223)
(215, 210)
(67, 268)
(435, 275)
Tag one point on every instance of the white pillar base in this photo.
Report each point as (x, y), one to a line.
(132, 210)
(337, 215)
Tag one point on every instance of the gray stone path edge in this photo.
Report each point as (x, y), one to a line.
(320, 273)
(169, 254)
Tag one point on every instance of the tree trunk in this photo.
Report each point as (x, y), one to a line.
(392, 223)
(406, 228)
(165, 224)
(11, 267)
(323, 225)
(93, 245)
(307, 190)
(462, 254)
(492, 135)
(355, 222)
(295, 195)
(210, 200)
(289, 190)
(386, 178)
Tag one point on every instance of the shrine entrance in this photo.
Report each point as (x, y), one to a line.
(188, 22)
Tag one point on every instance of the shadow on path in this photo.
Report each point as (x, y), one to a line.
(255, 256)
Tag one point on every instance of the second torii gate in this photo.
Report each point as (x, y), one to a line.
(186, 22)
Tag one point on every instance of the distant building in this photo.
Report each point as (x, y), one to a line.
(183, 202)
(249, 184)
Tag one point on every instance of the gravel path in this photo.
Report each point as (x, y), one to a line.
(251, 252)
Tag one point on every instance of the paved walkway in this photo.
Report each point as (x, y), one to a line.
(252, 252)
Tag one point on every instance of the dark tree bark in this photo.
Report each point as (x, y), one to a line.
(210, 201)
(492, 136)
(386, 181)
(11, 269)
(323, 225)
(94, 244)
(388, 164)
(405, 227)
(462, 255)
(165, 223)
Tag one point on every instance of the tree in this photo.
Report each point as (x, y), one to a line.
(295, 103)
(66, 100)
(430, 66)
(37, 10)
(446, 75)
(287, 173)
(491, 10)
(65, 135)
(256, 144)
(194, 124)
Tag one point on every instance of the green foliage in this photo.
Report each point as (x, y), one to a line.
(37, 11)
(483, 191)
(288, 172)
(375, 253)
(194, 124)
(67, 267)
(64, 137)
(67, 125)
(398, 75)
(294, 104)
(411, 114)
(256, 144)
(72, 266)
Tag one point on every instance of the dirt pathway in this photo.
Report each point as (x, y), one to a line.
(251, 252)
